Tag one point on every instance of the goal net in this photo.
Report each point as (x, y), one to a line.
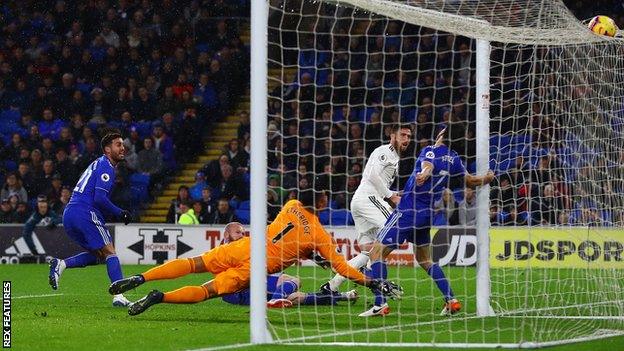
(342, 73)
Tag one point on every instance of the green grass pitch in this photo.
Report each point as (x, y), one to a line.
(79, 315)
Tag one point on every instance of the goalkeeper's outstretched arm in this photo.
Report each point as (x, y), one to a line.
(327, 248)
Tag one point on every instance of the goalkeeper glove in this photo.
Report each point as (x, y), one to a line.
(125, 217)
(386, 288)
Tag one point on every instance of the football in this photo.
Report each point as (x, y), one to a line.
(603, 25)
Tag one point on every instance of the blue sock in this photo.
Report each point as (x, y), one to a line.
(438, 277)
(284, 290)
(82, 259)
(320, 299)
(114, 268)
(379, 270)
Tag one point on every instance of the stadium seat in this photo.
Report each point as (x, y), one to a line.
(244, 205)
(324, 217)
(139, 184)
(244, 216)
(341, 217)
(234, 204)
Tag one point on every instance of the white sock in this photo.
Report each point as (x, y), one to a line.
(61, 267)
(356, 262)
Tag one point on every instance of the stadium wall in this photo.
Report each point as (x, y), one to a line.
(547, 247)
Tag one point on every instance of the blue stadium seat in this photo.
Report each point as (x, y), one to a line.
(244, 216)
(11, 115)
(234, 204)
(244, 205)
(341, 217)
(139, 184)
(324, 217)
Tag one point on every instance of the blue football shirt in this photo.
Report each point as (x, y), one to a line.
(446, 164)
(99, 175)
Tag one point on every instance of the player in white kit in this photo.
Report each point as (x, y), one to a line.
(373, 201)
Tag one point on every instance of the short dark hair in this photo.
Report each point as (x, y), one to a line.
(397, 126)
(108, 139)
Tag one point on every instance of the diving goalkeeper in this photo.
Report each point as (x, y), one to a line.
(294, 234)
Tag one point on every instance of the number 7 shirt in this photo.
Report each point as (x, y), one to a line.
(295, 234)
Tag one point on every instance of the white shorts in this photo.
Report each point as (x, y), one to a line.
(369, 214)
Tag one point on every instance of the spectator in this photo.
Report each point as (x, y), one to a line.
(187, 214)
(447, 209)
(65, 167)
(206, 93)
(149, 160)
(7, 214)
(43, 215)
(59, 206)
(212, 170)
(22, 213)
(13, 185)
(468, 208)
(49, 126)
(207, 201)
(231, 185)
(183, 195)
(54, 192)
(244, 129)
(165, 145)
(200, 183)
(237, 155)
(223, 214)
(201, 213)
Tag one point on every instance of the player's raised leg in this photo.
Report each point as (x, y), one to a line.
(229, 281)
(169, 270)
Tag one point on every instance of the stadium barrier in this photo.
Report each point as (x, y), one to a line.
(573, 247)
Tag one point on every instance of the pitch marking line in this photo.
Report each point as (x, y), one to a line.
(34, 296)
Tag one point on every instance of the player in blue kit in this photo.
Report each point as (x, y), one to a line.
(83, 218)
(411, 221)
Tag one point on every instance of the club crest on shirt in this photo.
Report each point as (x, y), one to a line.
(382, 157)
(430, 154)
(105, 177)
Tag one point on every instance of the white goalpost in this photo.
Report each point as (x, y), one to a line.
(537, 258)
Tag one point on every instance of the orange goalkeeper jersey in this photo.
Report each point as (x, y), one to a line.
(295, 234)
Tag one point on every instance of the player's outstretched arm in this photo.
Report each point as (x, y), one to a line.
(327, 248)
(474, 180)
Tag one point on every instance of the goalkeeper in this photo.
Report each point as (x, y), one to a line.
(411, 220)
(294, 234)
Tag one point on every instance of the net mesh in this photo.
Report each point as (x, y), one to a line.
(340, 76)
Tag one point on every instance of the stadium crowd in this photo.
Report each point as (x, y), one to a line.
(161, 72)
(349, 89)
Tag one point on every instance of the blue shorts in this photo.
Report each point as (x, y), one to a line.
(243, 297)
(412, 226)
(86, 227)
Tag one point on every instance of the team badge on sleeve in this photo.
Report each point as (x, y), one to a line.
(105, 177)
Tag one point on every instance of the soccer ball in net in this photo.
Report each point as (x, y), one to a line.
(603, 25)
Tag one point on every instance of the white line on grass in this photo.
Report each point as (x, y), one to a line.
(34, 296)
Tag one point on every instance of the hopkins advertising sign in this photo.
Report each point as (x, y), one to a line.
(593, 247)
(155, 244)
